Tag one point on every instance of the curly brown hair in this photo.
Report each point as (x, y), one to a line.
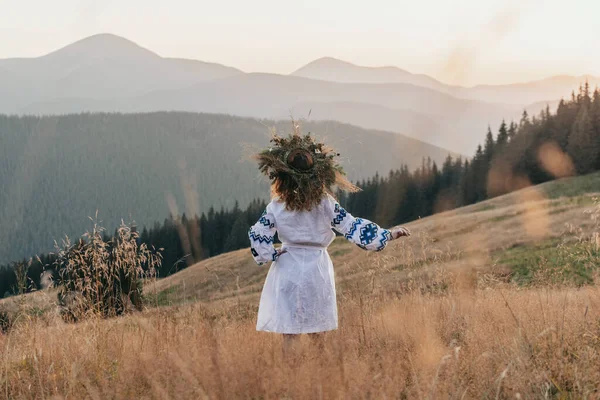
(302, 170)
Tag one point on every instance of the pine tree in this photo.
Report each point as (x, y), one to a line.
(564, 120)
(546, 115)
(585, 94)
(579, 95)
(502, 139)
(208, 233)
(596, 120)
(467, 192)
(524, 123)
(488, 149)
(447, 173)
(479, 176)
(202, 227)
(238, 236)
(584, 144)
(512, 131)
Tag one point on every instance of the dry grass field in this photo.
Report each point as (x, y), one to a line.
(496, 300)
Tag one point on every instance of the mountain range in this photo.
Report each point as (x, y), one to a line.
(521, 94)
(98, 67)
(107, 73)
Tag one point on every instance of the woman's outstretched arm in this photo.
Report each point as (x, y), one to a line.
(362, 232)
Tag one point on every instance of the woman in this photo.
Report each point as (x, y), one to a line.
(299, 292)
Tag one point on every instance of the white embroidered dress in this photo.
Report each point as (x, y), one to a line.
(299, 292)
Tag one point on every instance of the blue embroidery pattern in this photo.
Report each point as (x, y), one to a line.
(368, 233)
(260, 238)
(385, 237)
(266, 222)
(353, 228)
(341, 214)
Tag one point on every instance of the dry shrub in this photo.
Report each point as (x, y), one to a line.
(103, 277)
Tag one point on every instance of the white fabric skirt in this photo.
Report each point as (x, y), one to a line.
(299, 293)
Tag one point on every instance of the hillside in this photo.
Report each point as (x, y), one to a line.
(481, 242)
(471, 239)
(55, 172)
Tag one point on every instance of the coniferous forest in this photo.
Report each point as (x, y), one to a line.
(533, 150)
(56, 171)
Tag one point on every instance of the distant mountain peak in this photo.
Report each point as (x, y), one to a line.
(103, 45)
(335, 70)
(331, 62)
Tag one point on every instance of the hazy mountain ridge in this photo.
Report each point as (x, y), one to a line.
(548, 90)
(551, 88)
(107, 73)
(332, 69)
(100, 66)
(459, 122)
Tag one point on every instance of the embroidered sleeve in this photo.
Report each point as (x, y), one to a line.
(262, 237)
(365, 234)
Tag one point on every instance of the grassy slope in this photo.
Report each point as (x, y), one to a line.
(489, 237)
(473, 238)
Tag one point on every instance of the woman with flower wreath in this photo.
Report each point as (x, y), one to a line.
(299, 292)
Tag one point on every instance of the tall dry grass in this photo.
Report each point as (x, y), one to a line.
(448, 331)
(463, 343)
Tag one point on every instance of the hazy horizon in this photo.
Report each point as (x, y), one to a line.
(485, 42)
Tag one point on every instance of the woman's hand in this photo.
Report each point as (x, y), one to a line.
(280, 252)
(399, 232)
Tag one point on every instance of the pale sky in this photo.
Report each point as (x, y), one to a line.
(456, 41)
